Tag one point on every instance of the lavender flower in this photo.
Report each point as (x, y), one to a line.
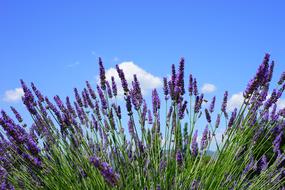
(123, 79)
(165, 88)
(102, 98)
(182, 108)
(91, 91)
(282, 78)
(204, 140)
(37, 92)
(155, 102)
(149, 117)
(224, 104)
(109, 90)
(263, 163)
(218, 120)
(232, 118)
(114, 87)
(17, 115)
(190, 88)
(179, 158)
(131, 127)
(102, 74)
(180, 77)
(110, 176)
(194, 144)
(195, 87)
(277, 143)
(78, 98)
(212, 105)
(129, 105)
(208, 116)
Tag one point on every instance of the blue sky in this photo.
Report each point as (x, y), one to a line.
(56, 44)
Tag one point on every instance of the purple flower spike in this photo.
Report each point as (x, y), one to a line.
(195, 87)
(204, 140)
(179, 158)
(102, 98)
(109, 90)
(232, 119)
(282, 78)
(102, 74)
(114, 87)
(123, 79)
(129, 105)
(78, 98)
(180, 76)
(182, 108)
(91, 91)
(277, 143)
(37, 92)
(224, 104)
(110, 176)
(194, 144)
(212, 105)
(149, 117)
(155, 102)
(17, 115)
(208, 116)
(165, 88)
(218, 120)
(190, 88)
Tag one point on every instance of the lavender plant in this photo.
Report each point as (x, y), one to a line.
(83, 143)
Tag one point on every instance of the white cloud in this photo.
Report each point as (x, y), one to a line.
(208, 88)
(73, 64)
(13, 95)
(235, 101)
(147, 80)
(281, 104)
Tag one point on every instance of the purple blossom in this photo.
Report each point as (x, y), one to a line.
(102, 98)
(198, 103)
(204, 139)
(17, 115)
(109, 90)
(102, 74)
(225, 100)
(208, 116)
(179, 158)
(277, 143)
(37, 92)
(212, 105)
(91, 91)
(194, 144)
(195, 92)
(110, 176)
(155, 102)
(123, 79)
(149, 117)
(263, 163)
(165, 88)
(173, 75)
(114, 87)
(218, 120)
(232, 118)
(182, 108)
(180, 77)
(282, 78)
(131, 127)
(190, 88)
(78, 98)
(129, 105)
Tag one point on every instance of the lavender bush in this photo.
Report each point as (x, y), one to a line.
(82, 143)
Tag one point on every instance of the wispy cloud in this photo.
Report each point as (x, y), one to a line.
(115, 59)
(147, 80)
(74, 64)
(208, 88)
(235, 101)
(281, 104)
(13, 95)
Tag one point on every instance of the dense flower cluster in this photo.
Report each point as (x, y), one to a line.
(92, 141)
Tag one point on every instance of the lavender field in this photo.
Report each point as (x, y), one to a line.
(80, 142)
(142, 95)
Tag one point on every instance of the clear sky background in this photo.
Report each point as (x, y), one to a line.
(56, 44)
